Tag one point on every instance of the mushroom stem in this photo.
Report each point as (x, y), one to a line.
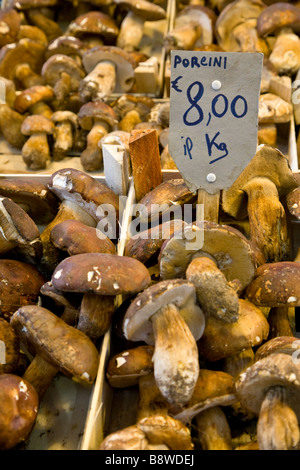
(40, 374)
(213, 429)
(36, 152)
(95, 315)
(62, 87)
(27, 77)
(277, 426)
(63, 140)
(176, 362)
(91, 157)
(279, 322)
(151, 402)
(131, 32)
(99, 83)
(267, 219)
(41, 108)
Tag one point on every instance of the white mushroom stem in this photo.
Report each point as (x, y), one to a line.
(267, 219)
(213, 429)
(131, 32)
(176, 361)
(99, 83)
(63, 140)
(277, 426)
(36, 152)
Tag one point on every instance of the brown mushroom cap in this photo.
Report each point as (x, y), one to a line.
(34, 197)
(276, 285)
(20, 285)
(18, 410)
(10, 21)
(9, 348)
(67, 45)
(28, 4)
(137, 323)
(29, 97)
(60, 344)
(163, 429)
(91, 112)
(94, 22)
(75, 237)
(25, 50)
(293, 202)
(148, 11)
(101, 273)
(276, 16)
(37, 124)
(61, 63)
(282, 344)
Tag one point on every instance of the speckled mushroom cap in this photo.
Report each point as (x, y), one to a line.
(89, 193)
(137, 323)
(19, 406)
(276, 369)
(276, 16)
(144, 9)
(101, 273)
(233, 253)
(91, 112)
(34, 197)
(275, 285)
(220, 341)
(20, 285)
(36, 123)
(31, 96)
(293, 202)
(75, 237)
(9, 348)
(60, 344)
(61, 63)
(283, 344)
(213, 388)
(124, 62)
(10, 21)
(94, 22)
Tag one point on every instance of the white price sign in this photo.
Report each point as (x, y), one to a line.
(213, 115)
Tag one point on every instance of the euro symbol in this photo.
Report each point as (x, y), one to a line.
(174, 84)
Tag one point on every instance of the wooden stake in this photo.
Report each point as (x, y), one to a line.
(210, 206)
(145, 161)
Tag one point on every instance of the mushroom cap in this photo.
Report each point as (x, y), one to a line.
(101, 273)
(213, 388)
(268, 162)
(76, 238)
(124, 62)
(67, 45)
(146, 10)
(283, 344)
(34, 197)
(219, 341)
(84, 190)
(276, 16)
(293, 202)
(20, 285)
(129, 438)
(61, 344)
(60, 298)
(273, 370)
(63, 116)
(275, 285)
(10, 21)
(9, 346)
(62, 63)
(28, 4)
(25, 50)
(18, 228)
(94, 111)
(164, 429)
(31, 96)
(127, 102)
(94, 22)
(273, 109)
(232, 252)
(19, 405)
(37, 123)
(125, 368)
(137, 323)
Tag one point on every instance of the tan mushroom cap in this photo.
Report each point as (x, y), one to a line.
(29, 97)
(213, 388)
(276, 16)
(19, 406)
(276, 285)
(94, 22)
(25, 50)
(37, 124)
(62, 345)
(76, 238)
(61, 63)
(101, 273)
(232, 252)
(273, 109)
(125, 368)
(220, 341)
(144, 9)
(20, 285)
(276, 369)
(65, 116)
(92, 112)
(137, 323)
(34, 197)
(10, 21)
(9, 348)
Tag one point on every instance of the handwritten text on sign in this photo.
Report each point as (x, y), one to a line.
(213, 115)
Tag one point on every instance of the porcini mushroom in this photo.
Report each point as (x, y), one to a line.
(10, 125)
(10, 21)
(161, 313)
(66, 123)
(32, 100)
(98, 118)
(102, 277)
(93, 28)
(9, 348)
(19, 406)
(58, 347)
(265, 180)
(23, 51)
(273, 109)
(36, 151)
